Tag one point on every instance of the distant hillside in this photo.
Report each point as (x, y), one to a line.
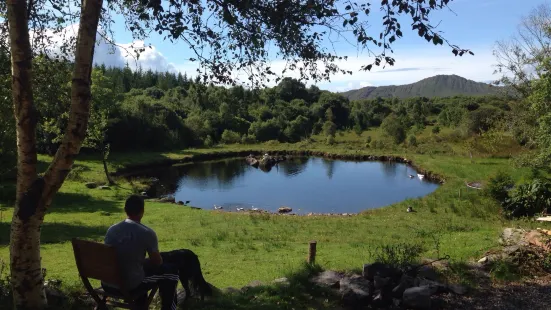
(436, 86)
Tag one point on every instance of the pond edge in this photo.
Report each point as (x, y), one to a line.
(133, 168)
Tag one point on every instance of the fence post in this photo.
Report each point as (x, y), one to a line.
(312, 253)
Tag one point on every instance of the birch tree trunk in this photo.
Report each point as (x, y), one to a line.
(34, 194)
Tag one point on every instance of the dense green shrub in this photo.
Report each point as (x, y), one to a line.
(230, 137)
(329, 128)
(208, 142)
(529, 199)
(265, 131)
(498, 186)
(400, 255)
(436, 129)
(412, 140)
(248, 139)
(395, 127)
(330, 140)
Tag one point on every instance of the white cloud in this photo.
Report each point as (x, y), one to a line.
(150, 58)
(411, 65)
(365, 84)
(117, 55)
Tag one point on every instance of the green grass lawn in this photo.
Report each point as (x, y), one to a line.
(235, 249)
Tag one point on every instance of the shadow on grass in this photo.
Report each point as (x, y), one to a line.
(58, 232)
(72, 203)
(299, 294)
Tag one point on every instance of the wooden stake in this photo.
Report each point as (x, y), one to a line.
(312, 253)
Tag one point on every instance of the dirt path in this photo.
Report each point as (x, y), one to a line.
(530, 295)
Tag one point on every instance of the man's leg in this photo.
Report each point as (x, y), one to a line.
(166, 275)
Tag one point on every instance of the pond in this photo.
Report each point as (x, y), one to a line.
(305, 184)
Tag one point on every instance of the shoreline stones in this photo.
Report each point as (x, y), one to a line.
(91, 185)
(284, 209)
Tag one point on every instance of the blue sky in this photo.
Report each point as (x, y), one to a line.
(473, 24)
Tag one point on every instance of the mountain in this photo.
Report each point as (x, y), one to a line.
(436, 86)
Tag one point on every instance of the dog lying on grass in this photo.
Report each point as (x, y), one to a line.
(189, 270)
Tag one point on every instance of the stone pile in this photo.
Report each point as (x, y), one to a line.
(527, 250)
(266, 162)
(382, 287)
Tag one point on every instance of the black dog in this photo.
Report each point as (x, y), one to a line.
(189, 269)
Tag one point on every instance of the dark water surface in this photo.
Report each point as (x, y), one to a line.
(306, 185)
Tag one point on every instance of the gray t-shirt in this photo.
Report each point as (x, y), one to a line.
(132, 240)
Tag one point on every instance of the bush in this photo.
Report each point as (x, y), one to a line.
(248, 139)
(329, 128)
(436, 130)
(412, 140)
(529, 199)
(498, 185)
(208, 141)
(358, 130)
(230, 137)
(395, 127)
(368, 139)
(330, 140)
(400, 255)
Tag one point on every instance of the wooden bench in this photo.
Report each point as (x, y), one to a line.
(99, 261)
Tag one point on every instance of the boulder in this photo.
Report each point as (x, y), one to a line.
(427, 272)
(53, 292)
(512, 236)
(180, 203)
(457, 289)
(231, 290)
(281, 281)
(417, 297)
(167, 199)
(379, 282)
(252, 284)
(355, 290)
(284, 209)
(328, 278)
(251, 161)
(91, 185)
(405, 283)
(381, 270)
(434, 286)
(536, 238)
(255, 283)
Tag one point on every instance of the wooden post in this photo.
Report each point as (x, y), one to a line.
(312, 253)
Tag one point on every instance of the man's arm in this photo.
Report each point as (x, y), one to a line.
(153, 250)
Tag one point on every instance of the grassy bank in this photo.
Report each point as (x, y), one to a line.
(237, 248)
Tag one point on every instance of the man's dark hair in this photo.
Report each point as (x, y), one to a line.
(134, 205)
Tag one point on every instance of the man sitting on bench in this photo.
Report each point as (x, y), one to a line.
(132, 240)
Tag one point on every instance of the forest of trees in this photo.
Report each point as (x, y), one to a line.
(146, 110)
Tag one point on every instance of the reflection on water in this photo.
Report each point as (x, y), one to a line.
(304, 184)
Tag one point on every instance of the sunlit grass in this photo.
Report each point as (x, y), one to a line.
(237, 248)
